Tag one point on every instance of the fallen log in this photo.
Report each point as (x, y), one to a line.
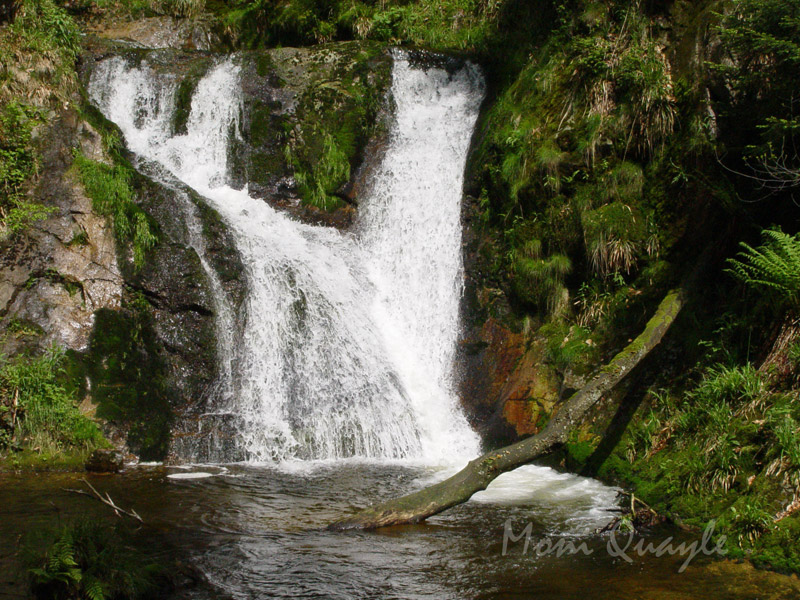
(479, 473)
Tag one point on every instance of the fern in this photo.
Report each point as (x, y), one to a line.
(775, 265)
(92, 560)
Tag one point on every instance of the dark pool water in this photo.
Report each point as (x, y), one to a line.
(259, 532)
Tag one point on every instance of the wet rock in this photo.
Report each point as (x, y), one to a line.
(104, 461)
(507, 387)
(296, 101)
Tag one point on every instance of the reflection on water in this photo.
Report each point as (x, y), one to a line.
(258, 532)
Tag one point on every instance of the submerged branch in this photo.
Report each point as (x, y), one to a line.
(105, 500)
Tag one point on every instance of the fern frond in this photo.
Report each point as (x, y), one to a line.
(775, 264)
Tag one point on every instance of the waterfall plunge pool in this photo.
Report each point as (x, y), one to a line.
(259, 532)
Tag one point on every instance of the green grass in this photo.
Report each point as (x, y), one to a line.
(37, 55)
(726, 449)
(540, 279)
(324, 176)
(111, 194)
(19, 162)
(38, 410)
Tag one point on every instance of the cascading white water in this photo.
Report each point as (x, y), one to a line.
(348, 340)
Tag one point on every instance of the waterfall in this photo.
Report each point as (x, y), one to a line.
(347, 339)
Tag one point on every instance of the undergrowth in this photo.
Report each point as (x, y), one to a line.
(18, 166)
(38, 409)
(93, 560)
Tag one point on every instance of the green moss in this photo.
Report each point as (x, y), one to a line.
(715, 453)
(129, 381)
(340, 91)
(579, 447)
(30, 461)
(184, 93)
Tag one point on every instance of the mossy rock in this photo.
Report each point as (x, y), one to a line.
(129, 380)
(308, 114)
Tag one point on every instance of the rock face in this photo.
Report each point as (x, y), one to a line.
(65, 269)
(144, 339)
(507, 387)
(298, 104)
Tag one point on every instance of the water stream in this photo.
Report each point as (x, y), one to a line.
(348, 339)
(258, 532)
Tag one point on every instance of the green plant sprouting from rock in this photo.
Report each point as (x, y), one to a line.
(111, 194)
(18, 165)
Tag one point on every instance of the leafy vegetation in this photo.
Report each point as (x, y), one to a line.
(763, 37)
(774, 265)
(111, 194)
(336, 114)
(440, 23)
(331, 171)
(38, 410)
(18, 164)
(37, 55)
(608, 158)
(727, 450)
(93, 560)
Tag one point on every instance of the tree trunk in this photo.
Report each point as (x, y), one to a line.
(479, 473)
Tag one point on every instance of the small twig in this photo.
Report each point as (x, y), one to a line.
(107, 501)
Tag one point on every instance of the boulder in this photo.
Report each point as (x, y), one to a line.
(104, 461)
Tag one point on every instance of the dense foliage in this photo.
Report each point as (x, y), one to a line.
(92, 560)
(38, 407)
